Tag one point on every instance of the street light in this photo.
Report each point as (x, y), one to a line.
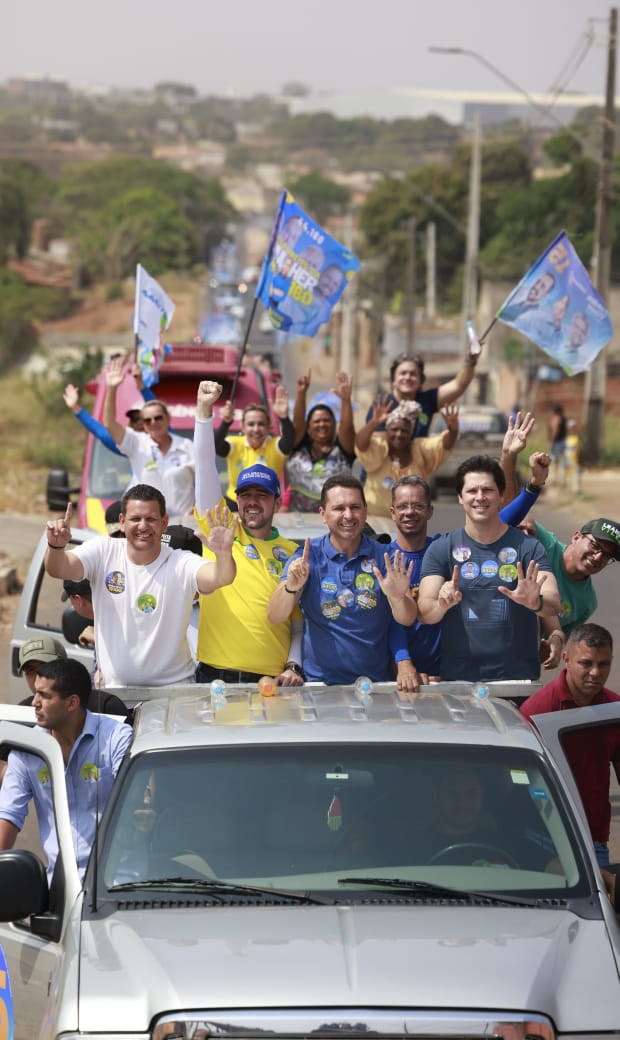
(548, 112)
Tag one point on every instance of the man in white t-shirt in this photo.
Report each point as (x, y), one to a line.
(142, 590)
(158, 457)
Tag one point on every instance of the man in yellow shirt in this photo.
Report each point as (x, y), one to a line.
(236, 642)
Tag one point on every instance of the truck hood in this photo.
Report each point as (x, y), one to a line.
(139, 964)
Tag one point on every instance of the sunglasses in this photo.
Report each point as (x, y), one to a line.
(153, 418)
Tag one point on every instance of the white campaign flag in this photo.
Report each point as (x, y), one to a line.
(153, 309)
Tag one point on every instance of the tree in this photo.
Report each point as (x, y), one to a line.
(319, 195)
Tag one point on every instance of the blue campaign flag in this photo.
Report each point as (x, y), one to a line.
(557, 307)
(304, 273)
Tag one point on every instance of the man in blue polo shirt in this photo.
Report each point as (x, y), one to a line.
(349, 591)
(92, 747)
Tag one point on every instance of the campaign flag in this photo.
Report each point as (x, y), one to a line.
(557, 307)
(153, 312)
(304, 273)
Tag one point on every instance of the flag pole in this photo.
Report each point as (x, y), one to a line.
(242, 352)
(486, 332)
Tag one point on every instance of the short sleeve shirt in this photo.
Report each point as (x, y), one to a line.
(577, 598)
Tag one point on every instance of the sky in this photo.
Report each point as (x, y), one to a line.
(241, 47)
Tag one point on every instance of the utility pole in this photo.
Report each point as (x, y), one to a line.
(470, 281)
(411, 283)
(596, 377)
(431, 269)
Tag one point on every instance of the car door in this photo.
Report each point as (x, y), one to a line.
(554, 726)
(32, 964)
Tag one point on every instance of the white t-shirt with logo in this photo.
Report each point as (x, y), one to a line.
(141, 612)
(171, 473)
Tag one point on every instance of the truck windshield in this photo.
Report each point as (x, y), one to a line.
(310, 818)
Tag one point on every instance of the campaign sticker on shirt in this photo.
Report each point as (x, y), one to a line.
(43, 775)
(364, 581)
(279, 553)
(565, 609)
(489, 568)
(461, 553)
(273, 566)
(151, 464)
(507, 555)
(345, 598)
(366, 565)
(115, 582)
(470, 570)
(252, 552)
(146, 603)
(328, 585)
(89, 771)
(366, 599)
(387, 482)
(330, 609)
(508, 572)
(422, 419)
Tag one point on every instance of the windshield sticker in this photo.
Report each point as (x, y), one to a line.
(538, 793)
(519, 776)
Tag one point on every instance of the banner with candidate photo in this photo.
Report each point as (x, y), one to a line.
(153, 312)
(304, 273)
(557, 307)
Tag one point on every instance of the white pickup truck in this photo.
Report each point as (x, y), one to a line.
(319, 863)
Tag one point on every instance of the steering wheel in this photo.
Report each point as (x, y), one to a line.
(494, 850)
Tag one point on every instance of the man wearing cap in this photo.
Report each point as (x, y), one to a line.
(158, 457)
(236, 642)
(142, 590)
(36, 652)
(92, 746)
(592, 548)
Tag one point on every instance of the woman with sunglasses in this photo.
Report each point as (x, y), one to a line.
(407, 379)
(158, 457)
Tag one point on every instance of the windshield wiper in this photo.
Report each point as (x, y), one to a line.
(426, 888)
(216, 888)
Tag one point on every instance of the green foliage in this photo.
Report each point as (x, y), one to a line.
(562, 148)
(14, 217)
(319, 195)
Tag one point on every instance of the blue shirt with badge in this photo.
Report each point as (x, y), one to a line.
(486, 635)
(347, 618)
(94, 761)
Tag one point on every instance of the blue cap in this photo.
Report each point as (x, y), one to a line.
(259, 476)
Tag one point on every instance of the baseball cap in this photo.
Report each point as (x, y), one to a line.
(76, 588)
(137, 406)
(606, 531)
(179, 537)
(112, 519)
(44, 649)
(259, 476)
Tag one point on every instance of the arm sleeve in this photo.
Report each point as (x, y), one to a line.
(98, 430)
(520, 506)
(222, 447)
(121, 739)
(148, 394)
(399, 642)
(16, 791)
(287, 436)
(297, 634)
(208, 487)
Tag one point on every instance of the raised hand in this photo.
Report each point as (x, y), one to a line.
(528, 590)
(280, 403)
(540, 463)
(381, 408)
(59, 531)
(115, 371)
(396, 582)
(449, 594)
(71, 397)
(208, 393)
(303, 382)
(450, 413)
(344, 386)
(519, 428)
(221, 535)
(299, 570)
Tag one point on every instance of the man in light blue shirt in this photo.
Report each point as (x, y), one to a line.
(92, 746)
